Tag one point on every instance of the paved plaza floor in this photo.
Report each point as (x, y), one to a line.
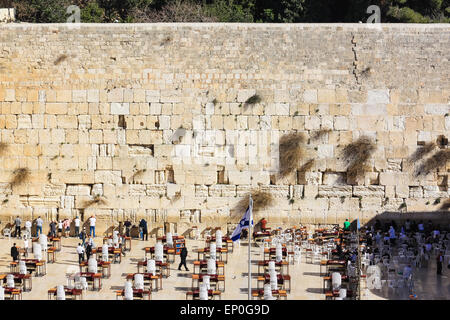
(306, 280)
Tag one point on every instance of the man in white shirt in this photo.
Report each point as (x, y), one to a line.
(77, 226)
(80, 251)
(39, 223)
(28, 227)
(92, 226)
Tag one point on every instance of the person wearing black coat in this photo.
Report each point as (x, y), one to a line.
(14, 252)
(183, 255)
(143, 227)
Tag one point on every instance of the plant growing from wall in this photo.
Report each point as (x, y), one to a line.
(291, 152)
(356, 155)
(436, 161)
(422, 152)
(97, 200)
(3, 148)
(261, 201)
(20, 176)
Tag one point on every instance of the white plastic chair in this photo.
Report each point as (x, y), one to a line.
(37, 251)
(219, 238)
(169, 239)
(268, 292)
(22, 267)
(7, 233)
(139, 281)
(43, 242)
(105, 252)
(151, 266)
(206, 282)
(60, 293)
(10, 281)
(273, 280)
(212, 251)
(203, 294)
(2, 293)
(159, 251)
(128, 291)
(211, 266)
(83, 283)
(278, 253)
(336, 280)
(92, 265)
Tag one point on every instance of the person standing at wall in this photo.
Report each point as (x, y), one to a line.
(83, 235)
(127, 225)
(39, 223)
(143, 226)
(53, 229)
(92, 226)
(28, 227)
(66, 227)
(346, 225)
(77, 226)
(18, 223)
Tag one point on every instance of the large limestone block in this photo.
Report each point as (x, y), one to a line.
(378, 96)
(335, 191)
(368, 191)
(120, 108)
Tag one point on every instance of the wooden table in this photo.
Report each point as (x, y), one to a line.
(283, 280)
(13, 293)
(336, 265)
(137, 293)
(163, 238)
(271, 253)
(92, 277)
(150, 277)
(39, 266)
(23, 280)
(164, 267)
(114, 253)
(229, 244)
(51, 255)
(103, 265)
(261, 235)
(195, 294)
(73, 293)
(327, 281)
(214, 279)
(265, 263)
(203, 265)
(205, 252)
(259, 293)
(167, 251)
(56, 242)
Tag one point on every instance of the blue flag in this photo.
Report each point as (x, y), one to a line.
(244, 223)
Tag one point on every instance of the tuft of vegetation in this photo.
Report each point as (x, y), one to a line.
(291, 152)
(356, 155)
(437, 201)
(319, 133)
(20, 176)
(138, 173)
(97, 200)
(307, 166)
(402, 206)
(3, 147)
(261, 201)
(254, 99)
(422, 152)
(60, 59)
(438, 160)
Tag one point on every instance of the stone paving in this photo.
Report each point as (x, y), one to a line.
(306, 282)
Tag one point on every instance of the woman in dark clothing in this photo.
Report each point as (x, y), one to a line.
(183, 255)
(14, 252)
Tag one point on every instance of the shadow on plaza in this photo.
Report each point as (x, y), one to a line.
(427, 283)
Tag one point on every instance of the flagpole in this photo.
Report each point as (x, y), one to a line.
(249, 253)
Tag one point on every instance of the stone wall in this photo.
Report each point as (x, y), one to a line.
(151, 120)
